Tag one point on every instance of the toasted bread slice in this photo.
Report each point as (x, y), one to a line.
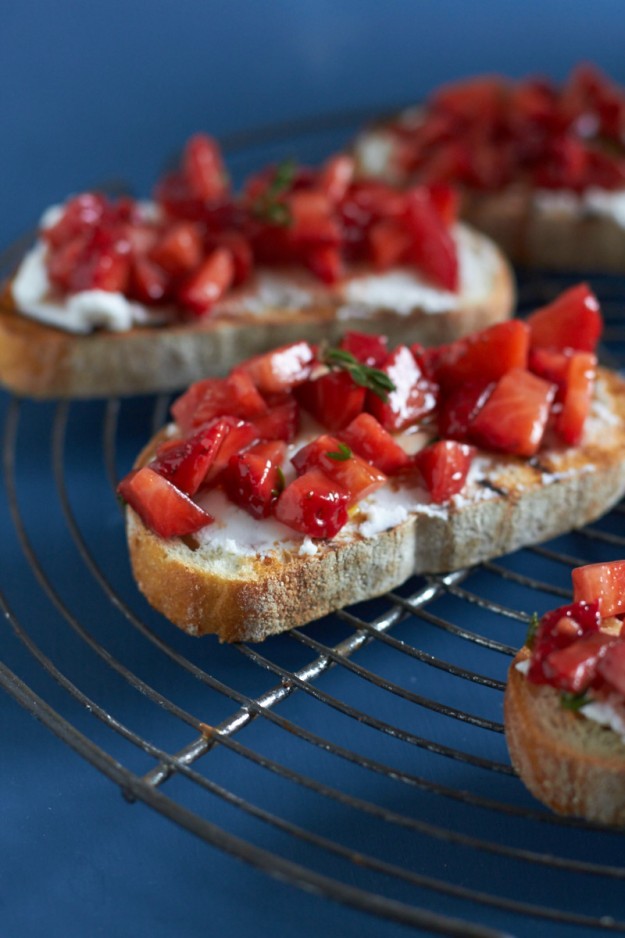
(569, 762)
(244, 579)
(275, 308)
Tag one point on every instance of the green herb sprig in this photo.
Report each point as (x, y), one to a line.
(280, 483)
(532, 629)
(364, 375)
(342, 454)
(268, 207)
(574, 702)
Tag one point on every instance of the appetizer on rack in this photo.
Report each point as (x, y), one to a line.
(316, 476)
(122, 297)
(565, 700)
(541, 167)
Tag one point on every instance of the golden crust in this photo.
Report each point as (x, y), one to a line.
(567, 761)
(250, 597)
(41, 361)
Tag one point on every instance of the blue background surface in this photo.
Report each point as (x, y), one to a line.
(102, 90)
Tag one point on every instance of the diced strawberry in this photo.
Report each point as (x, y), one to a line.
(283, 369)
(313, 504)
(234, 396)
(203, 168)
(602, 582)
(325, 262)
(574, 668)
(339, 463)
(559, 628)
(252, 481)
(333, 399)
(273, 450)
(459, 407)
(199, 292)
(368, 438)
(414, 395)
(179, 249)
(80, 215)
(186, 463)
(371, 350)
(444, 467)
(148, 282)
(280, 422)
(446, 201)
(389, 243)
(611, 666)
(101, 269)
(242, 256)
(240, 437)
(476, 100)
(514, 418)
(580, 381)
(312, 218)
(160, 505)
(484, 356)
(63, 260)
(550, 364)
(573, 320)
(433, 249)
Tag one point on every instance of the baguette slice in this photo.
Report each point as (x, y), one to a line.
(569, 762)
(216, 584)
(42, 361)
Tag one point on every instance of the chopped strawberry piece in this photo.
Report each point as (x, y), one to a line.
(603, 583)
(282, 369)
(160, 505)
(459, 407)
(186, 462)
(573, 320)
(148, 282)
(239, 438)
(550, 364)
(312, 218)
(444, 467)
(273, 450)
(368, 438)
(446, 201)
(234, 396)
(611, 666)
(371, 350)
(325, 262)
(205, 286)
(203, 168)
(478, 99)
(252, 481)
(413, 398)
(340, 464)
(336, 176)
(333, 399)
(580, 381)
(103, 268)
(559, 628)
(179, 248)
(484, 356)
(433, 249)
(313, 504)
(514, 418)
(389, 243)
(242, 256)
(280, 422)
(574, 668)
(80, 215)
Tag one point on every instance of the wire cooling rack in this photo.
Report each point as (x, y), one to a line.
(362, 757)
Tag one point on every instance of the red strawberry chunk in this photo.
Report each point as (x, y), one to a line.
(368, 438)
(444, 467)
(389, 243)
(283, 369)
(179, 249)
(580, 381)
(252, 481)
(148, 282)
(203, 169)
(484, 356)
(573, 320)
(313, 504)
(611, 667)
(281, 421)
(371, 350)
(340, 464)
(199, 292)
(602, 582)
(336, 176)
(458, 409)
(574, 668)
(80, 215)
(185, 463)
(333, 399)
(514, 418)
(325, 262)
(559, 628)
(161, 506)
(414, 395)
(234, 396)
(433, 249)
(240, 437)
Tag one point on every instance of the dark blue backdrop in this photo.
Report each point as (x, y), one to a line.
(95, 90)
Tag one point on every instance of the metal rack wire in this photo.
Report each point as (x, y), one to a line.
(361, 758)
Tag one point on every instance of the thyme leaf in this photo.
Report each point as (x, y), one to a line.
(268, 207)
(575, 702)
(343, 453)
(532, 628)
(373, 379)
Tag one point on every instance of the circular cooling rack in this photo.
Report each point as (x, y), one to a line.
(361, 758)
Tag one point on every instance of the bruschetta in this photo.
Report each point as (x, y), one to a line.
(541, 166)
(123, 297)
(317, 476)
(565, 700)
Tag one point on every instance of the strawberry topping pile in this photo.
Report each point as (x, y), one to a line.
(203, 240)
(487, 133)
(508, 389)
(571, 651)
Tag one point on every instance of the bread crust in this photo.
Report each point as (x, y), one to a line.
(569, 762)
(38, 360)
(248, 597)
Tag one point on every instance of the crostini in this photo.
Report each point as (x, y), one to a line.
(316, 476)
(123, 297)
(564, 703)
(541, 167)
